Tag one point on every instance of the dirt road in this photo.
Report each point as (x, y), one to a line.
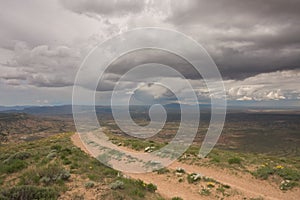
(242, 184)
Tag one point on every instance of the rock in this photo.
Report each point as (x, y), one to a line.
(197, 177)
(178, 174)
(147, 149)
(180, 170)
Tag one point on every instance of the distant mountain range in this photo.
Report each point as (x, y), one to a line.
(5, 108)
(173, 108)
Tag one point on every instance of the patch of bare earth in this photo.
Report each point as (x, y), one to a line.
(242, 185)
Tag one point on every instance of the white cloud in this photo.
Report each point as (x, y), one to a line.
(43, 66)
(267, 86)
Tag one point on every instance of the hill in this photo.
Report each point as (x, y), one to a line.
(53, 168)
(22, 126)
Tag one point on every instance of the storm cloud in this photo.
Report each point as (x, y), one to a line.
(245, 38)
(111, 8)
(255, 44)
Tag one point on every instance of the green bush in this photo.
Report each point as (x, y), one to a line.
(151, 187)
(89, 184)
(287, 185)
(162, 170)
(51, 155)
(215, 159)
(29, 177)
(66, 161)
(26, 192)
(235, 160)
(289, 174)
(12, 165)
(138, 193)
(66, 151)
(117, 185)
(21, 155)
(74, 165)
(221, 189)
(177, 198)
(205, 192)
(263, 172)
(286, 173)
(53, 174)
(56, 147)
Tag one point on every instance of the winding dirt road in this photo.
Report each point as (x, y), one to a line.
(242, 184)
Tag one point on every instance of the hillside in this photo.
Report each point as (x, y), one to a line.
(21, 126)
(53, 168)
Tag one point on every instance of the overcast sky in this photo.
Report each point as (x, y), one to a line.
(255, 44)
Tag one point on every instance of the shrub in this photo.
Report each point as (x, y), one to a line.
(89, 184)
(138, 193)
(162, 170)
(12, 165)
(285, 173)
(109, 172)
(52, 174)
(56, 147)
(151, 187)
(66, 162)
(289, 174)
(26, 192)
(74, 165)
(205, 192)
(287, 185)
(221, 189)
(177, 198)
(29, 177)
(66, 151)
(263, 172)
(193, 178)
(226, 186)
(117, 185)
(21, 155)
(14, 162)
(235, 160)
(215, 159)
(51, 155)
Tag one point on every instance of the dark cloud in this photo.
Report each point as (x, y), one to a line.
(139, 57)
(228, 13)
(235, 64)
(245, 38)
(232, 63)
(110, 8)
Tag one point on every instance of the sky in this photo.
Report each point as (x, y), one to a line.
(255, 45)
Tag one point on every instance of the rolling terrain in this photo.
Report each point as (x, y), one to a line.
(22, 126)
(256, 157)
